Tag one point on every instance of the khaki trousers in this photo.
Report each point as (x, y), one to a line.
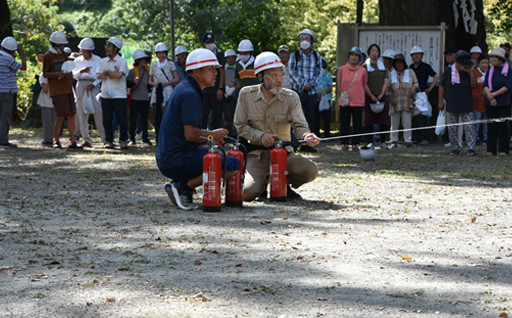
(300, 171)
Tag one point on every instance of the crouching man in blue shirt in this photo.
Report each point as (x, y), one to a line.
(178, 154)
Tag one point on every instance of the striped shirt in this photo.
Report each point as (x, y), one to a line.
(8, 69)
(307, 70)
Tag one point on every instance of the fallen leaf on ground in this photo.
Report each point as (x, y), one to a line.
(285, 218)
(197, 262)
(110, 300)
(265, 222)
(473, 219)
(504, 315)
(322, 299)
(406, 257)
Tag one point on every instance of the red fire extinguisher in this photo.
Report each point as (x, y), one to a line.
(278, 172)
(234, 185)
(212, 173)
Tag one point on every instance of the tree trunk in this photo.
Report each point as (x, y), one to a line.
(5, 20)
(460, 34)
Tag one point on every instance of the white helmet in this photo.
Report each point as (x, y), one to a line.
(139, 54)
(199, 58)
(245, 46)
(230, 52)
(265, 61)
(67, 50)
(417, 49)
(308, 32)
(116, 42)
(475, 49)
(161, 47)
(180, 49)
(86, 44)
(58, 37)
(10, 44)
(389, 53)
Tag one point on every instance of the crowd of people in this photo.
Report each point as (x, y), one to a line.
(258, 99)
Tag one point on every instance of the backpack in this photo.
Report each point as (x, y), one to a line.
(297, 57)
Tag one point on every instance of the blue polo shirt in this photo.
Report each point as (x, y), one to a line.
(423, 72)
(498, 81)
(183, 108)
(8, 69)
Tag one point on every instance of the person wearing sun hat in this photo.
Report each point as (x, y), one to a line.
(497, 90)
(455, 88)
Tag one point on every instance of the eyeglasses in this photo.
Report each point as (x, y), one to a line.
(276, 75)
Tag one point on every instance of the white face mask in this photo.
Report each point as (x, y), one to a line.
(245, 58)
(305, 45)
(211, 46)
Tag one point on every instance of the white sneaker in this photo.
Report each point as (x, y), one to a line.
(181, 200)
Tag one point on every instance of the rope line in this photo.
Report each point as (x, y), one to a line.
(481, 121)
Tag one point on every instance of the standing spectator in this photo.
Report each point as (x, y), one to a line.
(163, 76)
(8, 85)
(387, 58)
(214, 95)
(48, 115)
(112, 70)
(61, 87)
(475, 54)
(88, 87)
(181, 53)
(352, 78)
(497, 86)
(449, 55)
(284, 54)
(245, 67)
(324, 96)
(375, 90)
(305, 68)
(231, 95)
(479, 96)
(455, 87)
(138, 82)
(403, 86)
(423, 72)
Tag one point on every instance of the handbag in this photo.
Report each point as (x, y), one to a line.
(440, 124)
(344, 101)
(422, 105)
(324, 103)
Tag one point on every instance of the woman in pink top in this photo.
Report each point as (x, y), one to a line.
(352, 78)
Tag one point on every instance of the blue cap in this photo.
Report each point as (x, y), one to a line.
(208, 37)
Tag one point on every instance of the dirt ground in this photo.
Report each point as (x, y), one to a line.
(415, 233)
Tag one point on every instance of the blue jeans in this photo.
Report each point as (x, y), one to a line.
(480, 116)
(117, 106)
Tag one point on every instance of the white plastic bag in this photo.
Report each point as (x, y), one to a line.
(88, 103)
(440, 124)
(422, 105)
(324, 103)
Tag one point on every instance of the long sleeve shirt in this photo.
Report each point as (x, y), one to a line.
(307, 69)
(81, 63)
